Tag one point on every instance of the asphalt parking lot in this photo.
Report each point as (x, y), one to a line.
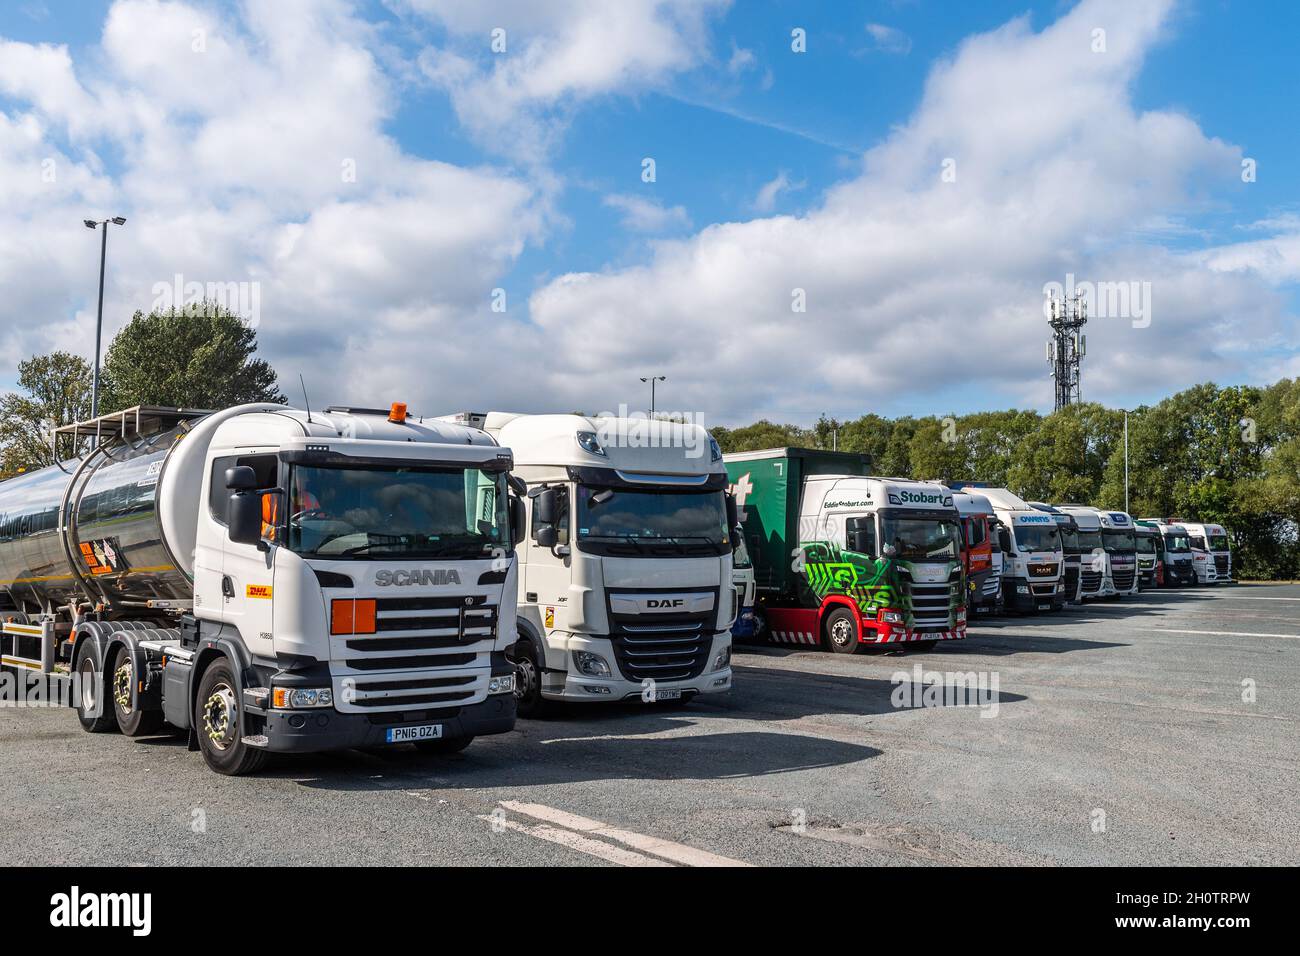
(1161, 729)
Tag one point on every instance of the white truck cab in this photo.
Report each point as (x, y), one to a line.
(1180, 559)
(1034, 561)
(627, 589)
(1092, 551)
(1210, 541)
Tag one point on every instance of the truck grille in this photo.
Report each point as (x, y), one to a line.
(1071, 580)
(1221, 564)
(1123, 578)
(663, 647)
(992, 584)
(405, 664)
(931, 604)
(1091, 580)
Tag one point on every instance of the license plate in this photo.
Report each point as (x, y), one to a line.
(406, 735)
(1044, 607)
(670, 694)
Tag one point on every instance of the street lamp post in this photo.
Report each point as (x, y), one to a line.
(99, 320)
(652, 379)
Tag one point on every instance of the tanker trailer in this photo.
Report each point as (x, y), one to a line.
(269, 580)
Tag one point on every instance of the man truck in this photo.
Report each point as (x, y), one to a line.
(1034, 562)
(1212, 541)
(269, 580)
(1180, 566)
(627, 586)
(1070, 548)
(842, 559)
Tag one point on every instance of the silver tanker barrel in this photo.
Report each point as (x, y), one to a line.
(115, 526)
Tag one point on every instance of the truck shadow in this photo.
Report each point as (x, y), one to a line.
(565, 754)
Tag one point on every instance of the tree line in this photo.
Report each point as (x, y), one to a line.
(201, 356)
(1225, 455)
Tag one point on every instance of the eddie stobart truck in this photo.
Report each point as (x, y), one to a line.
(627, 589)
(269, 580)
(842, 559)
(1033, 560)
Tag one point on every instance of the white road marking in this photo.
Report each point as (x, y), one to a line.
(1251, 597)
(677, 852)
(1176, 630)
(573, 841)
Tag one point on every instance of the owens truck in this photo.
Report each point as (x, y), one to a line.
(269, 580)
(842, 559)
(1033, 559)
(627, 586)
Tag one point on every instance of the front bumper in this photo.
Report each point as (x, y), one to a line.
(1040, 596)
(876, 632)
(571, 685)
(312, 731)
(1179, 575)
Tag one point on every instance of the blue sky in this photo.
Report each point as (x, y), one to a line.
(522, 171)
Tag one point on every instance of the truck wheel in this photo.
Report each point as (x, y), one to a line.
(528, 680)
(218, 722)
(93, 710)
(132, 721)
(841, 631)
(443, 745)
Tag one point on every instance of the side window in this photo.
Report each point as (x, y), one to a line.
(267, 468)
(562, 527)
(861, 534)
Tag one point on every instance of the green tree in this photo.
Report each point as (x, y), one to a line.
(762, 434)
(197, 357)
(57, 392)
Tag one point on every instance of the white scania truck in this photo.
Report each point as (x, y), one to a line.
(1033, 569)
(627, 588)
(1211, 540)
(269, 580)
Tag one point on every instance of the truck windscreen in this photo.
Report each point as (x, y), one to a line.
(1069, 540)
(1218, 542)
(1037, 537)
(379, 513)
(1146, 544)
(626, 522)
(922, 539)
(1118, 542)
(1177, 543)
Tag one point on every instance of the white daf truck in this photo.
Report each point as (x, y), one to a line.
(1211, 540)
(627, 588)
(269, 580)
(1093, 562)
(1034, 560)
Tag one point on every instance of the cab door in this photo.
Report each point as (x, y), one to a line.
(247, 579)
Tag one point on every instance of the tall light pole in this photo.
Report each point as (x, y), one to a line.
(652, 379)
(99, 321)
(1126, 461)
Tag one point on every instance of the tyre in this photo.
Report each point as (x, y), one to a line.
(93, 711)
(528, 680)
(218, 722)
(132, 721)
(841, 631)
(443, 745)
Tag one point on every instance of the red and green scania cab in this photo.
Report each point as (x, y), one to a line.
(843, 559)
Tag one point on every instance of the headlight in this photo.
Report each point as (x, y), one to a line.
(893, 617)
(723, 658)
(301, 698)
(715, 450)
(503, 684)
(590, 443)
(593, 665)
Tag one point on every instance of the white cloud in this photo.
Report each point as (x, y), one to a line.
(889, 39)
(231, 164)
(765, 200)
(741, 60)
(558, 53)
(647, 215)
(915, 284)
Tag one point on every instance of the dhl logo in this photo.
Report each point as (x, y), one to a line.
(258, 590)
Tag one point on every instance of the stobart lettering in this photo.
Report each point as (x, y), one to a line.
(417, 576)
